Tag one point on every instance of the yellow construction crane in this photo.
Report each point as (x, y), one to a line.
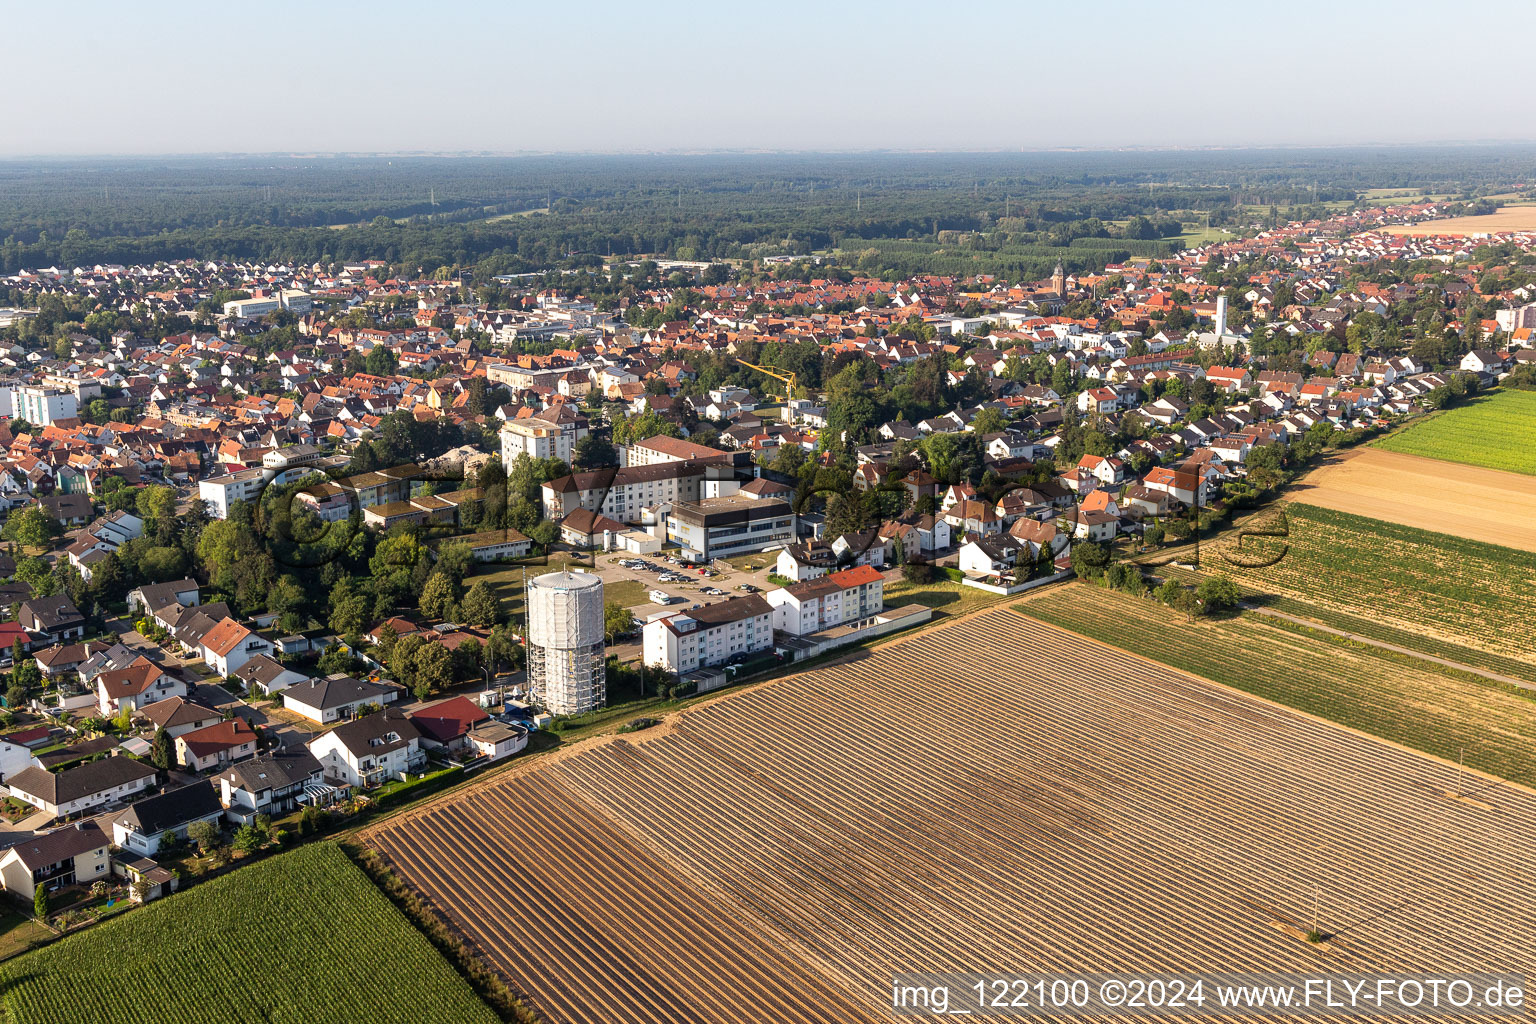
(789, 382)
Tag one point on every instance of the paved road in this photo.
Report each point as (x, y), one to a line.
(1311, 624)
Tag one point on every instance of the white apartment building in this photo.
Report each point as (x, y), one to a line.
(621, 493)
(536, 438)
(41, 406)
(220, 492)
(711, 635)
(734, 524)
(294, 300)
(662, 448)
(827, 601)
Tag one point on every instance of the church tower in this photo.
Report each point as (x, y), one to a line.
(1059, 280)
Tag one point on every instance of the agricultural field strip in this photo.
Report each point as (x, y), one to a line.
(873, 911)
(1459, 591)
(1369, 629)
(1426, 709)
(279, 971)
(1496, 431)
(585, 936)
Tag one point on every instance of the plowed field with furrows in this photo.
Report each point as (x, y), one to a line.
(996, 795)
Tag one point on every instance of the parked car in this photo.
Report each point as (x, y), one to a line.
(749, 588)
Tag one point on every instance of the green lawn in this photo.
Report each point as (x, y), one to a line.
(945, 597)
(1496, 431)
(629, 593)
(304, 936)
(18, 933)
(508, 578)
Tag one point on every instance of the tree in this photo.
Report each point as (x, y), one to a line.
(454, 559)
(593, 452)
(1184, 600)
(989, 421)
(440, 597)
(28, 527)
(155, 504)
(1218, 594)
(40, 902)
(1089, 559)
(349, 608)
(481, 605)
(1154, 535)
(160, 752)
(247, 839)
(544, 534)
(205, 834)
(434, 669)
(617, 620)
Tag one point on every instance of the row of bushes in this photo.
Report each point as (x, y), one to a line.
(486, 982)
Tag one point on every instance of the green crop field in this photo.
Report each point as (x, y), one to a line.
(304, 936)
(1387, 695)
(1496, 431)
(1458, 599)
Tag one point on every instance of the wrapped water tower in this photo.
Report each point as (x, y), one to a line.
(565, 642)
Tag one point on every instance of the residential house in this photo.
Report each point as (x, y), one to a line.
(991, 555)
(264, 674)
(55, 617)
(214, 746)
(801, 562)
(272, 784)
(495, 740)
(229, 645)
(70, 855)
(83, 788)
(446, 724)
(143, 826)
(140, 684)
(1177, 484)
(151, 597)
(178, 715)
(337, 697)
(370, 750)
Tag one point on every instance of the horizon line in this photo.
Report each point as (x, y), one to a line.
(297, 154)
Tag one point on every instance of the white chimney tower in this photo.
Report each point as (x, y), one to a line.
(1221, 316)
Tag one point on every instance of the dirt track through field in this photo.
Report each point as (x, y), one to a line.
(997, 794)
(1428, 494)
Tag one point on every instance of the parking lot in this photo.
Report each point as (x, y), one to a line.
(632, 584)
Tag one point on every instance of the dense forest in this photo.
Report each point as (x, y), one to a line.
(900, 212)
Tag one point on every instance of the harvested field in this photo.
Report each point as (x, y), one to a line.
(1506, 218)
(1431, 494)
(1496, 431)
(994, 794)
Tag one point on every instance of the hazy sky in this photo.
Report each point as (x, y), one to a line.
(171, 77)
